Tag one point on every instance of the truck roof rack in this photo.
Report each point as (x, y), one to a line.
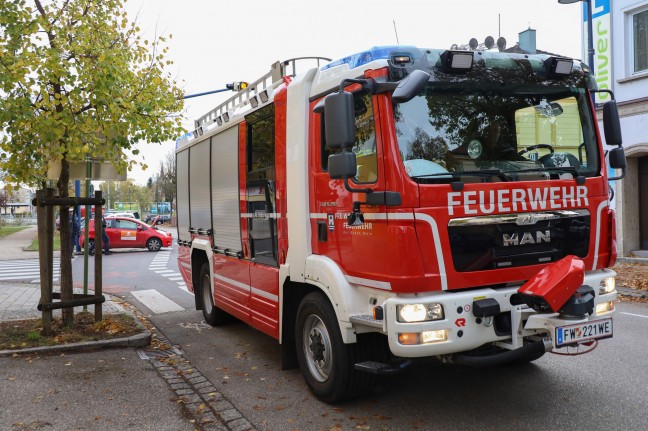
(256, 91)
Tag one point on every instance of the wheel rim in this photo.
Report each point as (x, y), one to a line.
(317, 348)
(154, 244)
(206, 295)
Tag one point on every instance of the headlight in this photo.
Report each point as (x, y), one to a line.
(419, 312)
(604, 307)
(608, 285)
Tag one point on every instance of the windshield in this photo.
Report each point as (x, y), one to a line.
(525, 133)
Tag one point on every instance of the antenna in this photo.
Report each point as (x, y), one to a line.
(396, 33)
(499, 25)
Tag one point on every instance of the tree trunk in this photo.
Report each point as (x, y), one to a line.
(66, 244)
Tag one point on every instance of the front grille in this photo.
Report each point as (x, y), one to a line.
(512, 240)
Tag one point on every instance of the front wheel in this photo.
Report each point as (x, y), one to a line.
(154, 244)
(325, 361)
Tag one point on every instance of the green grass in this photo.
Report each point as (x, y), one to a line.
(34, 244)
(8, 230)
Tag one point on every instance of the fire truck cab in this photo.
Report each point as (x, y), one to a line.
(404, 202)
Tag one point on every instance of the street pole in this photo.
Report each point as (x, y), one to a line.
(590, 37)
(590, 32)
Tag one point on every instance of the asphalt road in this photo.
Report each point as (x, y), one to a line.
(601, 390)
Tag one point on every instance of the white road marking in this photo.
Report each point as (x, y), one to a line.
(635, 315)
(159, 266)
(26, 269)
(156, 302)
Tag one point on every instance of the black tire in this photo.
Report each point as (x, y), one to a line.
(325, 361)
(212, 314)
(91, 247)
(154, 244)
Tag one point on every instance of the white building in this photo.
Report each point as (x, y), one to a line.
(620, 30)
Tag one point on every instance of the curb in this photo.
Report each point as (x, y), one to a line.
(632, 260)
(200, 398)
(635, 293)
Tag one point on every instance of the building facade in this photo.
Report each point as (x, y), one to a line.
(621, 50)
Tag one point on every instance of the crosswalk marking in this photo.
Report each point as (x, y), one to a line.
(26, 269)
(156, 302)
(159, 266)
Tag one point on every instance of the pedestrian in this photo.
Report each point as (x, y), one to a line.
(74, 226)
(104, 239)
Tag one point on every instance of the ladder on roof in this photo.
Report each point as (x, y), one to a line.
(258, 88)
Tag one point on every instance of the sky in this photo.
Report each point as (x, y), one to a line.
(214, 42)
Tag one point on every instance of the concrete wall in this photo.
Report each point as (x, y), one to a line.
(627, 196)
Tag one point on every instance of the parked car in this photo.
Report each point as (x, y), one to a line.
(161, 219)
(131, 214)
(127, 232)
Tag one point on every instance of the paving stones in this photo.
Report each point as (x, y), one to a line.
(201, 400)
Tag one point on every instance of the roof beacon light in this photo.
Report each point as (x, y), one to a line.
(457, 61)
(401, 59)
(557, 66)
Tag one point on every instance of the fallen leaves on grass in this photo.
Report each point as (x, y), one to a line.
(19, 334)
(632, 276)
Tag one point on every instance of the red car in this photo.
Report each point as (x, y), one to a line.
(126, 232)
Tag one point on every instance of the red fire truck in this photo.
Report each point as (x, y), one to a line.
(403, 203)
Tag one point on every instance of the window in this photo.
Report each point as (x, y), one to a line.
(365, 144)
(452, 129)
(640, 41)
(126, 224)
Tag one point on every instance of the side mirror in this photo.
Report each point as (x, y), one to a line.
(617, 160)
(612, 124)
(342, 165)
(410, 86)
(339, 127)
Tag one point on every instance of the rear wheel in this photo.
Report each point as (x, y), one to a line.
(325, 361)
(154, 244)
(212, 314)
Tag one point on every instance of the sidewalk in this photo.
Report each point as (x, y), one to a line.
(13, 246)
(107, 386)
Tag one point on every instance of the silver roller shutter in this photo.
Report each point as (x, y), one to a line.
(199, 186)
(182, 192)
(225, 191)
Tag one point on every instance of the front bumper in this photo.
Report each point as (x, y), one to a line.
(464, 331)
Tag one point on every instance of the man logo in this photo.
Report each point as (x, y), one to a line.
(526, 219)
(526, 238)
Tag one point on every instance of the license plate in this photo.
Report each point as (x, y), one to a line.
(579, 332)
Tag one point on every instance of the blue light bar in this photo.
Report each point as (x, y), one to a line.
(372, 54)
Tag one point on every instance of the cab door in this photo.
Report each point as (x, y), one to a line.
(125, 233)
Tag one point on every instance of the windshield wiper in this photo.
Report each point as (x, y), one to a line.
(560, 169)
(580, 178)
(480, 173)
